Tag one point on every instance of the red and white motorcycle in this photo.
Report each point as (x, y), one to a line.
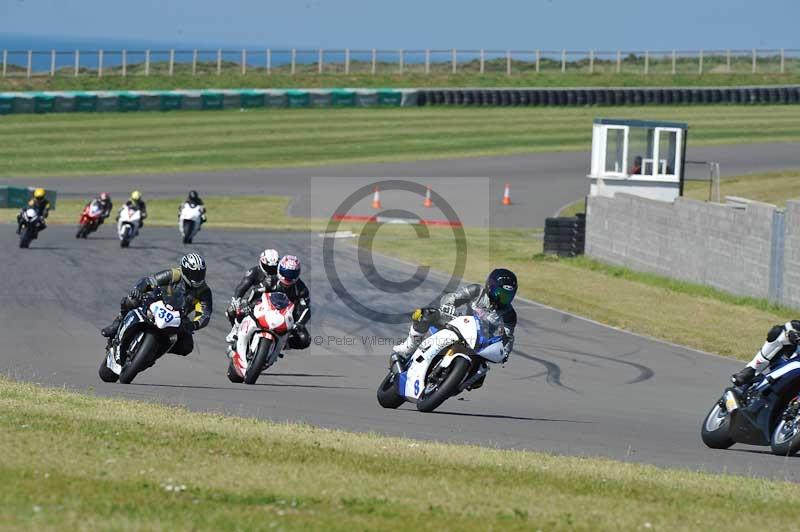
(262, 334)
(90, 218)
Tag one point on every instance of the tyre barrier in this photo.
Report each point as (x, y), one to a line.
(565, 236)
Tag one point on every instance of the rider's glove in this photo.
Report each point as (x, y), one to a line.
(447, 312)
(135, 294)
(793, 337)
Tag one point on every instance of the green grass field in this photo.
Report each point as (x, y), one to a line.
(58, 144)
(73, 461)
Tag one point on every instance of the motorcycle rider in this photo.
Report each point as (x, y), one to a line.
(781, 340)
(192, 275)
(286, 280)
(42, 206)
(137, 202)
(265, 273)
(193, 199)
(495, 296)
(104, 200)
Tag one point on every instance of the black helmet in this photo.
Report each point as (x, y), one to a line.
(193, 270)
(193, 195)
(501, 287)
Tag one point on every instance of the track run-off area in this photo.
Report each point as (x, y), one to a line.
(571, 386)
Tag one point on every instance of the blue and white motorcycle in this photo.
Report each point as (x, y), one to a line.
(767, 412)
(451, 360)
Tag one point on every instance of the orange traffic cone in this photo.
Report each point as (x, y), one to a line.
(376, 199)
(427, 203)
(507, 195)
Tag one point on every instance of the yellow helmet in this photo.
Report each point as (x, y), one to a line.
(38, 193)
(136, 195)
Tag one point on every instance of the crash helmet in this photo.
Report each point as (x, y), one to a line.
(136, 195)
(268, 261)
(288, 270)
(193, 196)
(104, 196)
(193, 270)
(38, 193)
(501, 287)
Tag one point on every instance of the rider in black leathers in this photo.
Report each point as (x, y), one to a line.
(42, 206)
(198, 299)
(104, 200)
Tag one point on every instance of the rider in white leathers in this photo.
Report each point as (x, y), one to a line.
(781, 340)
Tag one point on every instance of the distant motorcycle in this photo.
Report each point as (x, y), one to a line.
(190, 220)
(451, 360)
(90, 219)
(767, 412)
(31, 220)
(128, 222)
(262, 335)
(147, 332)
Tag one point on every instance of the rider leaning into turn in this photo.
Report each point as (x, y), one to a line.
(104, 200)
(781, 340)
(192, 275)
(265, 273)
(495, 296)
(193, 198)
(40, 204)
(137, 202)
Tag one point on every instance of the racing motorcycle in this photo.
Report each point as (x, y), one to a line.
(147, 332)
(765, 412)
(262, 334)
(90, 219)
(190, 220)
(31, 220)
(451, 360)
(128, 222)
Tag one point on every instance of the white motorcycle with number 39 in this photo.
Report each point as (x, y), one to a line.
(190, 220)
(451, 360)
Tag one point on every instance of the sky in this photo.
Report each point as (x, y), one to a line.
(410, 24)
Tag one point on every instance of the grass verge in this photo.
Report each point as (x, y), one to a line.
(110, 143)
(136, 465)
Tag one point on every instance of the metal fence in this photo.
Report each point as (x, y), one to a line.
(99, 63)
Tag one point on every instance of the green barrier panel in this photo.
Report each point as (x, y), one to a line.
(276, 99)
(366, 98)
(171, 101)
(251, 99)
(3, 197)
(389, 97)
(128, 101)
(343, 98)
(320, 98)
(65, 102)
(23, 104)
(191, 100)
(85, 102)
(17, 197)
(212, 100)
(296, 98)
(6, 105)
(43, 103)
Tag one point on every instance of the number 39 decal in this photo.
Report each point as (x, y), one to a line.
(164, 315)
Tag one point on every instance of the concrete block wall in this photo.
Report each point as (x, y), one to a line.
(705, 243)
(791, 255)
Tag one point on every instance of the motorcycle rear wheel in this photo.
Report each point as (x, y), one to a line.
(140, 361)
(388, 396)
(456, 372)
(256, 366)
(716, 428)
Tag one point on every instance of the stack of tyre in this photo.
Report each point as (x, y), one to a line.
(565, 236)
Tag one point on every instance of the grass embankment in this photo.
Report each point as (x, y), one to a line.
(136, 465)
(70, 144)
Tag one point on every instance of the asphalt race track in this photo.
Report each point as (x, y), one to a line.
(571, 387)
(541, 183)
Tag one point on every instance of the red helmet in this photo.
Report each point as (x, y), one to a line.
(104, 196)
(289, 270)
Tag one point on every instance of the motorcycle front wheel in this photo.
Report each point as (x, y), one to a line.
(26, 237)
(256, 365)
(233, 375)
(106, 375)
(388, 396)
(458, 369)
(716, 428)
(188, 228)
(140, 360)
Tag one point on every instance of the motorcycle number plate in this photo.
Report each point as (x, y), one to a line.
(164, 317)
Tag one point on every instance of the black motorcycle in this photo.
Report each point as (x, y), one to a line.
(766, 412)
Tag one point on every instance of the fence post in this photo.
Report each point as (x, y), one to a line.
(646, 62)
(171, 61)
(483, 60)
(53, 63)
(269, 61)
(591, 61)
(124, 63)
(401, 60)
(783, 61)
(538, 60)
(427, 61)
(508, 62)
(77, 62)
(320, 58)
(244, 61)
(776, 258)
(728, 60)
(454, 61)
(619, 61)
(100, 63)
(347, 61)
(674, 61)
(294, 61)
(147, 62)
(563, 61)
(754, 61)
(700, 63)
(194, 62)
(374, 60)
(219, 61)
(30, 62)
(5, 62)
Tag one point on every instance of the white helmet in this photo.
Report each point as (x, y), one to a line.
(268, 261)
(193, 270)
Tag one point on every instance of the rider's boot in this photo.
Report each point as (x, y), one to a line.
(406, 349)
(111, 330)
(743, 377)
